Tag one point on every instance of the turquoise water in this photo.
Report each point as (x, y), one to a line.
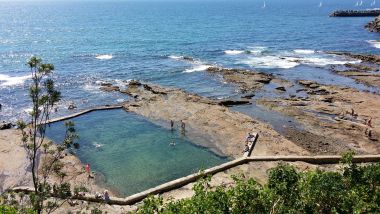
(93, 41)
(132, 153)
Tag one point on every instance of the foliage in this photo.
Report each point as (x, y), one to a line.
(353, 189)
(44, 97)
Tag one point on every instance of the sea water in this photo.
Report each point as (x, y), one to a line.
(115, 41)
(131, 153)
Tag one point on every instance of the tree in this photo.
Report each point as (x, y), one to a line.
(44, 97)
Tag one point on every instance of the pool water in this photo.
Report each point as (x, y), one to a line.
(133, 153)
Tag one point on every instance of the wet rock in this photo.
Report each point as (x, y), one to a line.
(233, 102)
(298, 104)
(360, 67)
(110, 88)
(327, 99)
(247, 80)
(313, 86)
(281, 88)
(149, 88)
(375, 59)
(305, 82)
(318, 92)
(134, 83)
(105, 84)
(188, 58)
(300, 90)
(374, 25)
(5, 125)
(248, 96)
(264, 79)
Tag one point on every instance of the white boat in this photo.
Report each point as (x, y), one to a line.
(373, 3)
(357, 4)
(264, 6)
(361, 3)
(320, 4)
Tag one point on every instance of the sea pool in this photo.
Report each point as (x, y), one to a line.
(133, 153)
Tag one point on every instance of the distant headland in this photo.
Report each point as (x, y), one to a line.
(355, 13)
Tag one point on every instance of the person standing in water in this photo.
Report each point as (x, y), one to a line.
(172, 125)
(183, 127)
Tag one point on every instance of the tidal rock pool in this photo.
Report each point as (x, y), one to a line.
(133, 153)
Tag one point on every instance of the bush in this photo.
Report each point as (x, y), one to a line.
(353, 189)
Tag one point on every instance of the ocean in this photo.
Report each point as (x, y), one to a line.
(90, 42)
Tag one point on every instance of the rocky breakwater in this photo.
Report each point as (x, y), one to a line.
(366, 71)
(374, 25)
(207, 121)
(337, 115)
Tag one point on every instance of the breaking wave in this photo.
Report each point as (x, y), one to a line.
(374, 43)
(104, 57)
(233, 52)
(197, 68)
(6, 80)
(303, 51)
(271, 62)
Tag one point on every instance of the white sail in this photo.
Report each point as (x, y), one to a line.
(373, 3)
(264, 6)
(320, 4)
(357, 4)
(361, 3)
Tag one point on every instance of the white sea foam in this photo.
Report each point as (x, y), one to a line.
(271, 62)
(91, 88)
(256, 50)
(374, 43)
(128, 80)
(28, 110)
(6, 80)
(233, 52)
(97, 145)
(120, 100)
(175, 57)
(104, 57)
(321, 61)
(197, 68)
(303, 51)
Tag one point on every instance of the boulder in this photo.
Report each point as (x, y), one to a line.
(281, 88)
(134, 83)
(110, 88)
(5, 125)
(374, 25)
(105, 84)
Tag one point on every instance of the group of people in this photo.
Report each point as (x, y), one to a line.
(183, 126)
(367, 122)
(105, 196)
(248, 142)
(183, 130)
